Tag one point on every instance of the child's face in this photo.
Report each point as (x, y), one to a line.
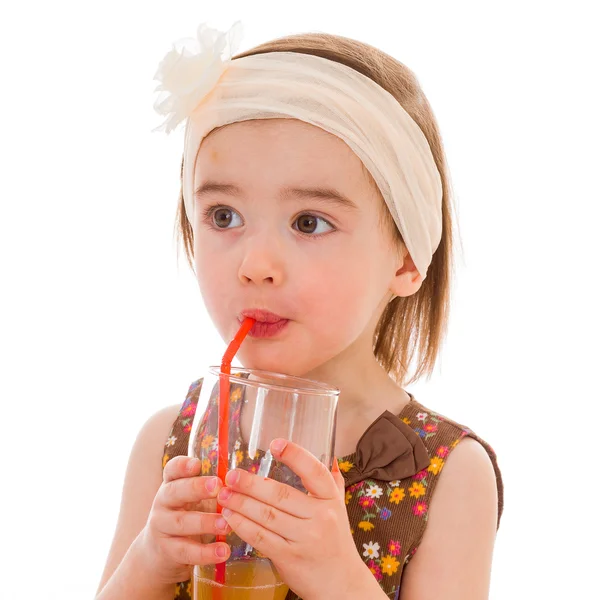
(263, 253)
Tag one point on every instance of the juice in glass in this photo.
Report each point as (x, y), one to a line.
(254, 579)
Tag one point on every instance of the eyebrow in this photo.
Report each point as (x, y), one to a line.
(325, 195)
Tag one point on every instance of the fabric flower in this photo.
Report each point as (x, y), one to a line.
(385, 514)
(436, 465)
(170, 441)
(397, 495)
(372, 550)
(366, 502)
(374, 491)
(394, 548)
(419, 509)
(345, 466)
(207, 441)
(416, 490)
(191, 70)
(390, 565)
(366, 525)
(374, 567)
(422, 416)
(189, 410)
(421, 475)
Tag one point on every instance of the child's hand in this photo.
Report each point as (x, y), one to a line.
(164, 544)
(308, 537)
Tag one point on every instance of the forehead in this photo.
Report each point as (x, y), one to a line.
(282, 146)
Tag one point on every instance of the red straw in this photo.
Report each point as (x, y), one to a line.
(223, 410)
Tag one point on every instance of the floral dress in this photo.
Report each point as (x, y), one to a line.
(389, 479)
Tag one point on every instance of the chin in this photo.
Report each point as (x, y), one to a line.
(271, 361)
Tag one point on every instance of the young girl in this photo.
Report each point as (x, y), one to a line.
(314, 191)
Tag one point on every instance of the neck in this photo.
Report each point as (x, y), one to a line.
(365, 386)
(366, 392)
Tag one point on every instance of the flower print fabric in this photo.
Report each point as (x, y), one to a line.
(388, 518)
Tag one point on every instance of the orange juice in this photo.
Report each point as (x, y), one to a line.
(246, 579)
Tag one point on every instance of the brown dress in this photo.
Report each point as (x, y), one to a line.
(390, 480)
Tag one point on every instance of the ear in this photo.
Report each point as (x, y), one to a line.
(407, 280)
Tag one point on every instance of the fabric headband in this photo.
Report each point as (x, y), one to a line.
(210, 91)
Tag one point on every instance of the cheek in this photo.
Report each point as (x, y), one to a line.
(342, 282)
(338, 301)
(213, 277)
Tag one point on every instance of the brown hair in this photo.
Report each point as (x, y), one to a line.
(414, 326)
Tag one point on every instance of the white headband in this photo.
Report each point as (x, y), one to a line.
(210, 91)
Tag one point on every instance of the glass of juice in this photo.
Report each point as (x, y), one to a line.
(263, 406)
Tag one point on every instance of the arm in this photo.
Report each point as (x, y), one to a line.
(454, 558)
(122, 576)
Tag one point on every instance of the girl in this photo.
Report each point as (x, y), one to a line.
(314, 190)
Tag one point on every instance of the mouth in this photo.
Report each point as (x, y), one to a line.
(267, 324)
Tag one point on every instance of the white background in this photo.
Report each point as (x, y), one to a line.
(101, 326)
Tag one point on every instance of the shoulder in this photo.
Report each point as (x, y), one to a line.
(455, 554)
(153, 436)
(157, 427)
(159, 433)
(455, 551)
(446, 439)
(469, 473)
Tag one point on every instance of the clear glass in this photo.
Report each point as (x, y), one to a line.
(263, 406)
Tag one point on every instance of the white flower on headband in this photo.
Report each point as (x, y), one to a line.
(191, 70)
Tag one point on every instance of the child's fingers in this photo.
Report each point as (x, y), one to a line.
(190, 552)
(272, 493)
(315, 476)
(338, 476)
(181, 466)
(265, 541)
(189, 522)
(179, 492)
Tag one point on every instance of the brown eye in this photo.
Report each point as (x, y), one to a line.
(307, 223)
(222, 217)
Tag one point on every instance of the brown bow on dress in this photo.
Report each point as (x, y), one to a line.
(389, 450)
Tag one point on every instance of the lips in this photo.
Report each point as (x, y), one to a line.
(262, 316)
(267, 324)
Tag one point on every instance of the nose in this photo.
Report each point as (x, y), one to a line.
(262, 262)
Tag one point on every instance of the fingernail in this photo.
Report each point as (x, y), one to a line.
(224, 494)
(221, 551)
(193, 464)
(232, 477)
(221, 524)
(211, 485)
(278, 446)
(227, 513)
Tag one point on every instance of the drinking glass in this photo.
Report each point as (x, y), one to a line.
(263, 406)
